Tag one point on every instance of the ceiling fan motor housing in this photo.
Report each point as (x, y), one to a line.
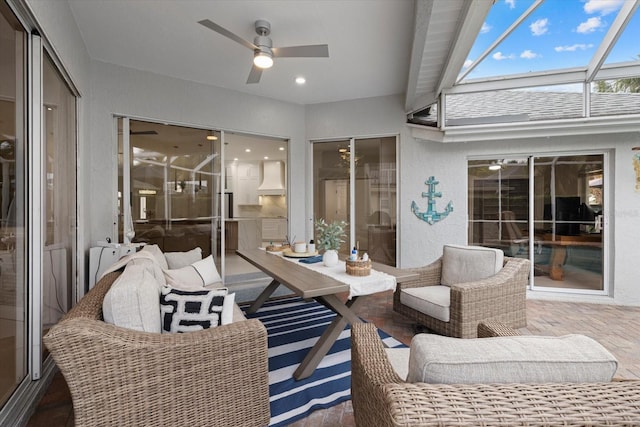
(263, 28)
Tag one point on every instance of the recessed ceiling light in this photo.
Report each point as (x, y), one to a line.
(235, 159)
(266, 157)
(212, 138)
(301, 80)
(247, 150)
(281, 148)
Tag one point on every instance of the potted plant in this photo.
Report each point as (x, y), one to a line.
(329, 237)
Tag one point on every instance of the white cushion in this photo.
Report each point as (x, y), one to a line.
(517, 359)
(462, 264)
(133, 301)
(195, 276)
(152, 267)
(182, 259)
(157, 255)
(399, 359)
(433, 301)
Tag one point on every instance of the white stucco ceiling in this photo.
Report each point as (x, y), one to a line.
(369, 43)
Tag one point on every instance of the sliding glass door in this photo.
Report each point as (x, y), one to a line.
(174, 186)
(548, 209)
(360, 189)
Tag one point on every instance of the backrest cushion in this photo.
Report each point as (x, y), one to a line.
(133, 301)
(182, 259)
(462, 264)
(516, 359)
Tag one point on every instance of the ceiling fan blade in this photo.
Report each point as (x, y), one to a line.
(221, 30)
(254, 75)
(309, 51)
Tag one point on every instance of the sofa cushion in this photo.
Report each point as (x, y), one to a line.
(133, 300)
(515, 359)
(177, 260)
(187, 311)
(399, 359)
(195, 276)
(433, 301)
(462, 264)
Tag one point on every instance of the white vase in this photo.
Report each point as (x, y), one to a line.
(330, 257)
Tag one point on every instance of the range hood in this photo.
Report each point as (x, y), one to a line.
(272, 179)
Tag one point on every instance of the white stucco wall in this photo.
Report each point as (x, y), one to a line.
(421, 243)
(124, 91)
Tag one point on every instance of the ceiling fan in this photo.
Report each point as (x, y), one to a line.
(263, 50)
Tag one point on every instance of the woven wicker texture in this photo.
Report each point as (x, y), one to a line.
(381, 398)
(121, 377)
(500, 298)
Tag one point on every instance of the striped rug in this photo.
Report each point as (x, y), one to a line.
(293, 327)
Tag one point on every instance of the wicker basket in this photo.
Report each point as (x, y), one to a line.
(358, 268)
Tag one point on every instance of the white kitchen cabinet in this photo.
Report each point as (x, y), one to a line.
(248, 182)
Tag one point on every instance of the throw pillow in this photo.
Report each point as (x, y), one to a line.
(517, 359)
(182, 259)
(187, 311)
(195, 276)
(132, 301)
(157, 255)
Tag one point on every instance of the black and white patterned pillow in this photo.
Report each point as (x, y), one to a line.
(187, 311)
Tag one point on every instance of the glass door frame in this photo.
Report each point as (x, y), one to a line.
(607, 201)
(352, 183)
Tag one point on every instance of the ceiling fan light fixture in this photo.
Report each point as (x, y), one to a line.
(263, 58)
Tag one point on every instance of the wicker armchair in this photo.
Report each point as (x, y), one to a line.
(123, 377)
(500, 298)
(381, 398)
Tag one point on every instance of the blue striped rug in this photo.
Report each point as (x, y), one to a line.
(293, 327)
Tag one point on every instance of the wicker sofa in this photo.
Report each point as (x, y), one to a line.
(381, 398)
(122, 377)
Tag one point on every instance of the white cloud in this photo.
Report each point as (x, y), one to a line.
(528, 54)
(511, 3)
(467, 63)
(602, 7)
(499, 56)
(539, 27)
(573, 47)
(485, 28)
(590, 25)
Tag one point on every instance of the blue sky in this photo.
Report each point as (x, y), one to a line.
(558, 34)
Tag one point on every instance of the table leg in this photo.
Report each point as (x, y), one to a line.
(264, 295)
(558, 256)
(344, 316)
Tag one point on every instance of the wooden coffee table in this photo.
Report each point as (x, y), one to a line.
(309, 284)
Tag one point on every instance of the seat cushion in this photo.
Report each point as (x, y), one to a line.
(133, 301)
(462, 264)
(515, 359)
(433, 301)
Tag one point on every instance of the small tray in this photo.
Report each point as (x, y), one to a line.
(290, 254)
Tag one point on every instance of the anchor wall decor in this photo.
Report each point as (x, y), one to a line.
(432, 216)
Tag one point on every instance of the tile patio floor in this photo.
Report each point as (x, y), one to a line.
(615, 327)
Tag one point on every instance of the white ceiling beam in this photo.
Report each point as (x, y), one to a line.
(541, 79)
(423, 9)
(472, 17)
(624, 16)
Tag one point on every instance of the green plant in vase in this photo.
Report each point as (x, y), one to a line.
(329, 237)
